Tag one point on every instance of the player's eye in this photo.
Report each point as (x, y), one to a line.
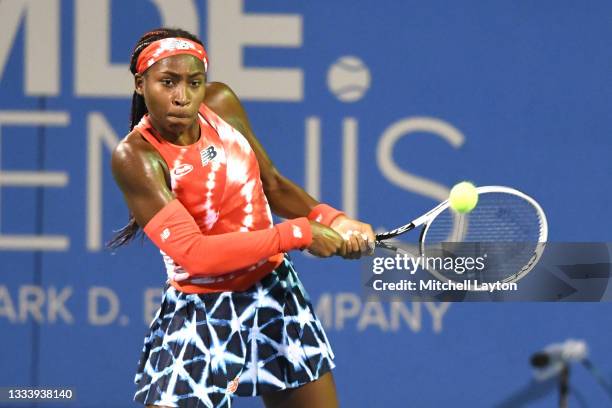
(167, 82)
(196, 83)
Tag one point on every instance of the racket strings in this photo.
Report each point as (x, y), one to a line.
(504, 229)
(498, 217)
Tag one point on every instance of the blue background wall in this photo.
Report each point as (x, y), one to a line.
(523, 89)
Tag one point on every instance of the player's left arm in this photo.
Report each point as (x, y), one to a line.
(286, 198)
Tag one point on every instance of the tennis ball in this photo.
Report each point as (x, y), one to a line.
(463, 197)
(348, 79)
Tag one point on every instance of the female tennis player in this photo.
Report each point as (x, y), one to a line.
(235, 318)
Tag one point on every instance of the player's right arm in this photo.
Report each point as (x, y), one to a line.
(143, 178)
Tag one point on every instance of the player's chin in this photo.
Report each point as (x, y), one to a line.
(179, 122)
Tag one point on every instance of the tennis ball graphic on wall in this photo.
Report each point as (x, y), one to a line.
(348, 78)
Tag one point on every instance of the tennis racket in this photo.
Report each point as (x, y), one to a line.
(507, 227)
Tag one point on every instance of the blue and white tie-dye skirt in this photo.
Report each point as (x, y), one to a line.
(202, 349)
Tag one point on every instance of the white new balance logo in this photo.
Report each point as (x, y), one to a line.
(206, 155)
(165, 234)
(297, 232)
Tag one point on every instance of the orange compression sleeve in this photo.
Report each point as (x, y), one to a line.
(324, 214)
(176, 233)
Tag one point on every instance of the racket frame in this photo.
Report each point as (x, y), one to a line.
(426, 219)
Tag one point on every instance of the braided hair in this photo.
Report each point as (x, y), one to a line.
(139, 109)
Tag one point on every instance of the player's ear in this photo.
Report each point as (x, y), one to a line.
(138, 82)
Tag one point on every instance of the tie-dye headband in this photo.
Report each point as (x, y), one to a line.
(168, 47)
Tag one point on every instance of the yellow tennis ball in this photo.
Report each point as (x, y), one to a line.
(463, 197)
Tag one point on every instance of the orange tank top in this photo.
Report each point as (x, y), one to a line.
(217, 179)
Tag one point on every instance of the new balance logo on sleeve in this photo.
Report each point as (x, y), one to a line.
(165, 234)
(297, 231)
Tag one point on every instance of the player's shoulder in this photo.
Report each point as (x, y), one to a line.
(219, 94)
(224, 102)
(131, 146)
(132, 152)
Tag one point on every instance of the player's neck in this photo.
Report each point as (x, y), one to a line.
(186, 137)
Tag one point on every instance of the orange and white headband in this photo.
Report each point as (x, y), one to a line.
(168, 47)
